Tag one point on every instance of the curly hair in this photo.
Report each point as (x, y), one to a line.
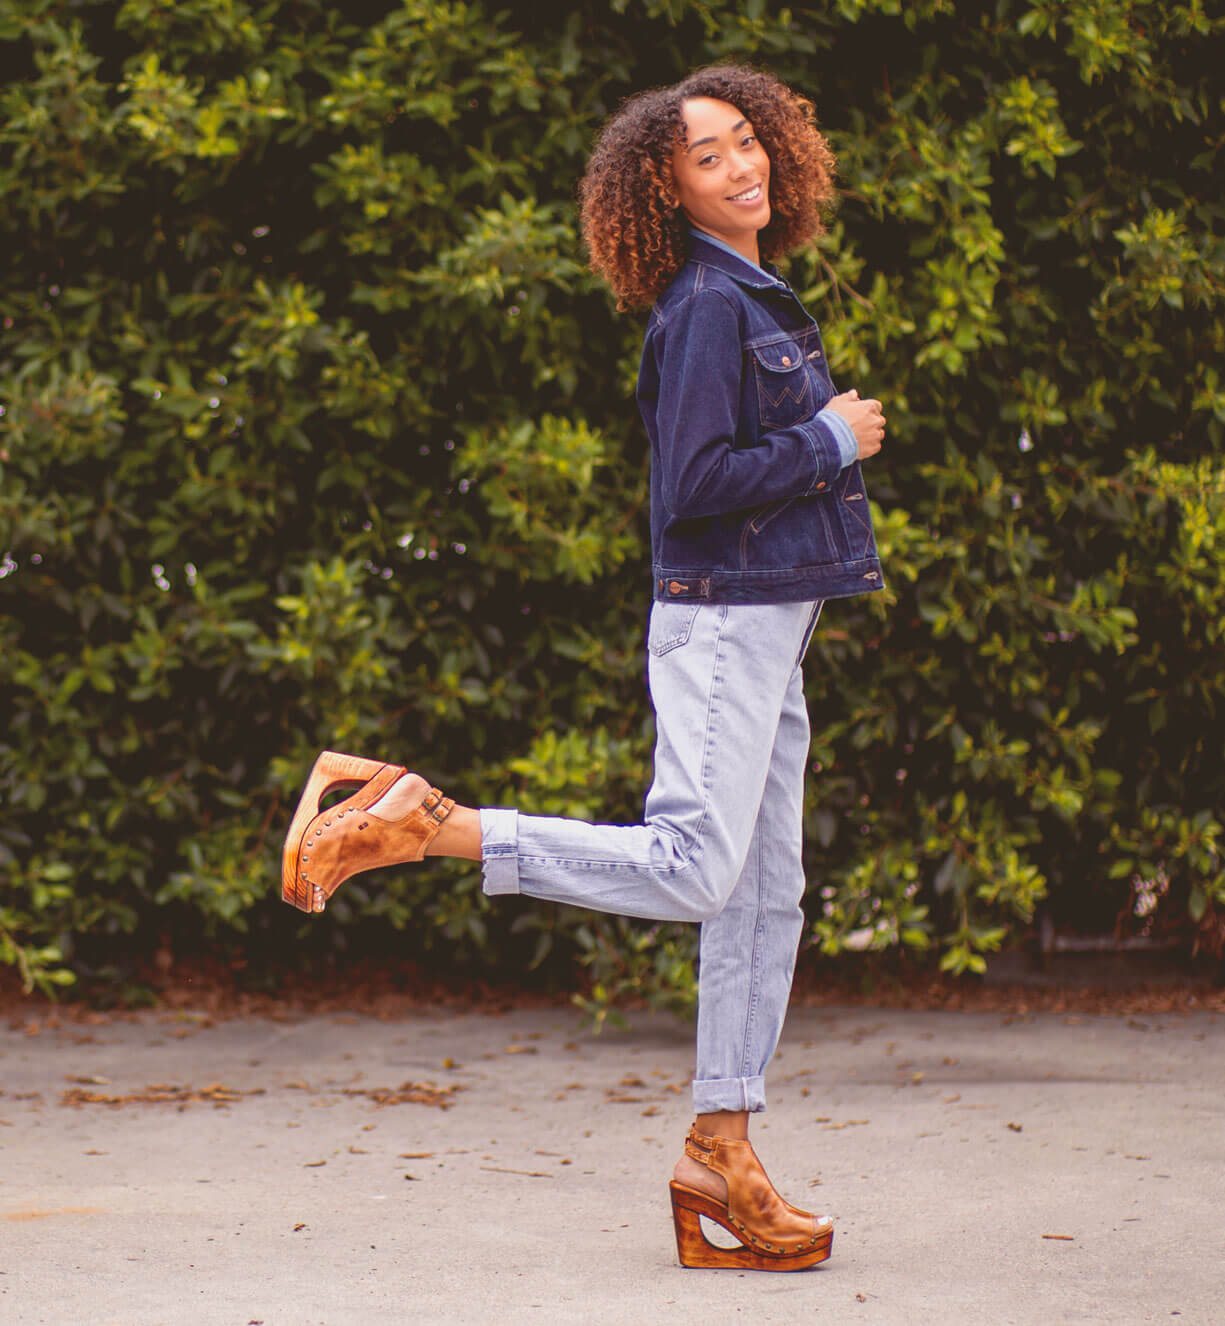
(637, 236)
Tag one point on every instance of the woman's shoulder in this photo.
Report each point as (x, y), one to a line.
(698, 290)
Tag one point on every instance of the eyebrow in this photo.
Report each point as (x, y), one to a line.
(711, 138)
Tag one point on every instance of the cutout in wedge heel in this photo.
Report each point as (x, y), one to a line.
(325, 847)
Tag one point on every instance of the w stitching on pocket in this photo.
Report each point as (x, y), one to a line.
(778, 382)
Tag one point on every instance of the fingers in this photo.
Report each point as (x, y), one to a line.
(866, 417)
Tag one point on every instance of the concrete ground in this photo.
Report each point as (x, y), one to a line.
(982, 1168)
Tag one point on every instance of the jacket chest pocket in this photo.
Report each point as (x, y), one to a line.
(785, 387)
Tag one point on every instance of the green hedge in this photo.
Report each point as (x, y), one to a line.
(317, 432)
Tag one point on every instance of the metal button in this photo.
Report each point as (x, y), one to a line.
(786, 361)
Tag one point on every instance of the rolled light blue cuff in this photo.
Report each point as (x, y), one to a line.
(500, 851)
(848, 448)
(712, 1095)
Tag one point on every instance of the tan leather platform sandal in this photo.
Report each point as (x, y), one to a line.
(773, 1234)
(326, 847)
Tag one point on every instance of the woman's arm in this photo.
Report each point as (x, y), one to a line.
(698, 361)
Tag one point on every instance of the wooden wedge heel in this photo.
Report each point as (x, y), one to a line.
(325, 847)
(773, 1234)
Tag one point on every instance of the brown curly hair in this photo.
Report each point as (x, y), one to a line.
(636, 235)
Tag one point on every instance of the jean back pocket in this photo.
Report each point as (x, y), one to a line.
(670, 625)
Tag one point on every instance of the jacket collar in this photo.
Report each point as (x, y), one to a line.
(703, 249)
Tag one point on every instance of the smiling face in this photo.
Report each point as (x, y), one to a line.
(722, 174)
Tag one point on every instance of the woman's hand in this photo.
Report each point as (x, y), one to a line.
(866, 419)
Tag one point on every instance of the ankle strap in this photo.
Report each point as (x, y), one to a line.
(436, 806)
(712, 1151)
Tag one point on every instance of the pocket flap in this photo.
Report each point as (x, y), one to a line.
(779, 356)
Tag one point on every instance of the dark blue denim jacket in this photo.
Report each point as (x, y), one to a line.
(750, 502)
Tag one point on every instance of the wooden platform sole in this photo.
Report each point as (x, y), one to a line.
(695, 1250)
(332, 772)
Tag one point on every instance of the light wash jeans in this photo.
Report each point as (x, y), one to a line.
(721, 837)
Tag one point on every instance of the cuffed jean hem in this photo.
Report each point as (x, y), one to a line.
(729, 1093)
(500, 851)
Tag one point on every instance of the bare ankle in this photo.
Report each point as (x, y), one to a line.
(460, 836)
(724, 1123)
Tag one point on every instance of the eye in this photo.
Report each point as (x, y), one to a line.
(708, 159)
(747, 139)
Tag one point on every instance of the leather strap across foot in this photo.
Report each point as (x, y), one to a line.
(349, 838)
(758, 1213)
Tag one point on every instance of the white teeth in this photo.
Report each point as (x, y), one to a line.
(747, 196)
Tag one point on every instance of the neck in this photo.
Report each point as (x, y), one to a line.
(745, 243)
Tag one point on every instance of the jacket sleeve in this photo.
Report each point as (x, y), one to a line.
(699, 358)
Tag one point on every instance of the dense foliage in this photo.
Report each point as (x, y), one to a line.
(317, 432)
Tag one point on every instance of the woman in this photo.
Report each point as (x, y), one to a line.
(758, 514)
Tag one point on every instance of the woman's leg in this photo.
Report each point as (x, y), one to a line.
(741, 1005)
(720, 677)
(747, 953)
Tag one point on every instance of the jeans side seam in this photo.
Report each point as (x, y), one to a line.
(758, 945)
(592, 864)
(708, 735)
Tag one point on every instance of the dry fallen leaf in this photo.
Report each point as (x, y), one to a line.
(408, 1093)
(1063, 1238)
(300, 1225)
(1015, 1127)
(314, 1164)
(516, 1048)
(161, 1093)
